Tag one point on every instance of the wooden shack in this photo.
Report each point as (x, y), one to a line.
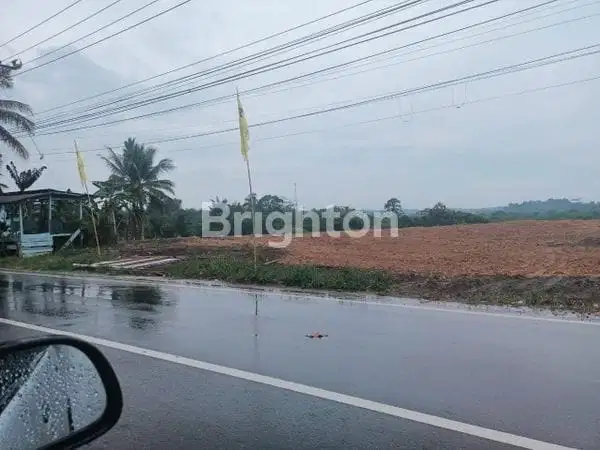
(31, 225)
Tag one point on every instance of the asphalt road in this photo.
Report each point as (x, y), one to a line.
(527, 376)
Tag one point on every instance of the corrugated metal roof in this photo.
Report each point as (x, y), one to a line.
(16, 197)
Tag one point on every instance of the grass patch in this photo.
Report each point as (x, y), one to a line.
(300, 276)
(575, 294)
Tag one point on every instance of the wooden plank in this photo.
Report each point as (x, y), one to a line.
(36, 244)
(71, 239)
(150, 263)
(36, 252)
(136, 261)
(117, 262)
(36, 239)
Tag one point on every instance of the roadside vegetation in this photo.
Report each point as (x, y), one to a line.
(62, 262)
(560, 294)
(15, 116)
(442, 255)
(236, 270)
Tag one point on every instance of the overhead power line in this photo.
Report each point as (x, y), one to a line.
(135, 25)
(227, 52)
(270, 85)
(346, 25)
(337, 67)
(85, 19)
(303, 41)
(91, 33)
(59, 152)
(307, 38)
(223, 99)
(84, 118)
(514, 68)
(553, 59)
(347, 43)
(41, 23)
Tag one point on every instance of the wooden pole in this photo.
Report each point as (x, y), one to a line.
(50, 213)
(81, 222)
(21, 229)
(253, 213)
(93, 218)
(21, 219)
(114, 221)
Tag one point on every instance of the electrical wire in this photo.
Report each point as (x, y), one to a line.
(135, 25)
(37, 147)
(514, 68)
(273, 50)
(296, 59)
(85, 19)
(59, 153)
(270, 85)
(227, 52)
(259, 89)
(93, 32)
(298, 43)
(41, 23)
(255, 91)
(480, 76)
(447, 51)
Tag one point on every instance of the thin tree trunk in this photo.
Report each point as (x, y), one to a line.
(142, 217)
(114, 221)
(132, 225)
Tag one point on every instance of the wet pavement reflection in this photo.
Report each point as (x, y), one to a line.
(74, 300)
(469, 368)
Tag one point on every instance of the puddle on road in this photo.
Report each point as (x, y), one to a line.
(72, 299)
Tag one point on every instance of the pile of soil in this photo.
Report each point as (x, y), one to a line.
(563, 248)
(552, 264)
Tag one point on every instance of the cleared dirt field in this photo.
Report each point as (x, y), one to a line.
(566, 248)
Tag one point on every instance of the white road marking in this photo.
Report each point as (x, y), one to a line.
(401, 413)
(327, 297)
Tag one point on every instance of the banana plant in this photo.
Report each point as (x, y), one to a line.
(26, 178)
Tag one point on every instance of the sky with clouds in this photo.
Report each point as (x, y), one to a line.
(477, 143)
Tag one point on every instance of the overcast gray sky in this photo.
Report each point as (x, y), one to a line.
(454, 144)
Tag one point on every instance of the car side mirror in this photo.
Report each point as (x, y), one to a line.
(55, 393)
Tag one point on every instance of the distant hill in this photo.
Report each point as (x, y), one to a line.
(553, 208)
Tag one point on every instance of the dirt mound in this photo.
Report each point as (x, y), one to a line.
(523, 248)
(195, 246)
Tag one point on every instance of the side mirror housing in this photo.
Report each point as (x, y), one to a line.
(56, 392)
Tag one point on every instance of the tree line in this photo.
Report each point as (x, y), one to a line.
(138, 201)
(178, 221)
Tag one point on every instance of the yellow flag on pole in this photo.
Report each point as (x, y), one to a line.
(244, 131)
(80, 165)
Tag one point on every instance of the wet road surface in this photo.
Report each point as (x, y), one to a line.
(532, 378)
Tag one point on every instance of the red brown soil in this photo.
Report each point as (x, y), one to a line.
(524, 248)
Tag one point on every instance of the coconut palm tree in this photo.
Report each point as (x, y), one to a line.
(14, 115)
(136, 174)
